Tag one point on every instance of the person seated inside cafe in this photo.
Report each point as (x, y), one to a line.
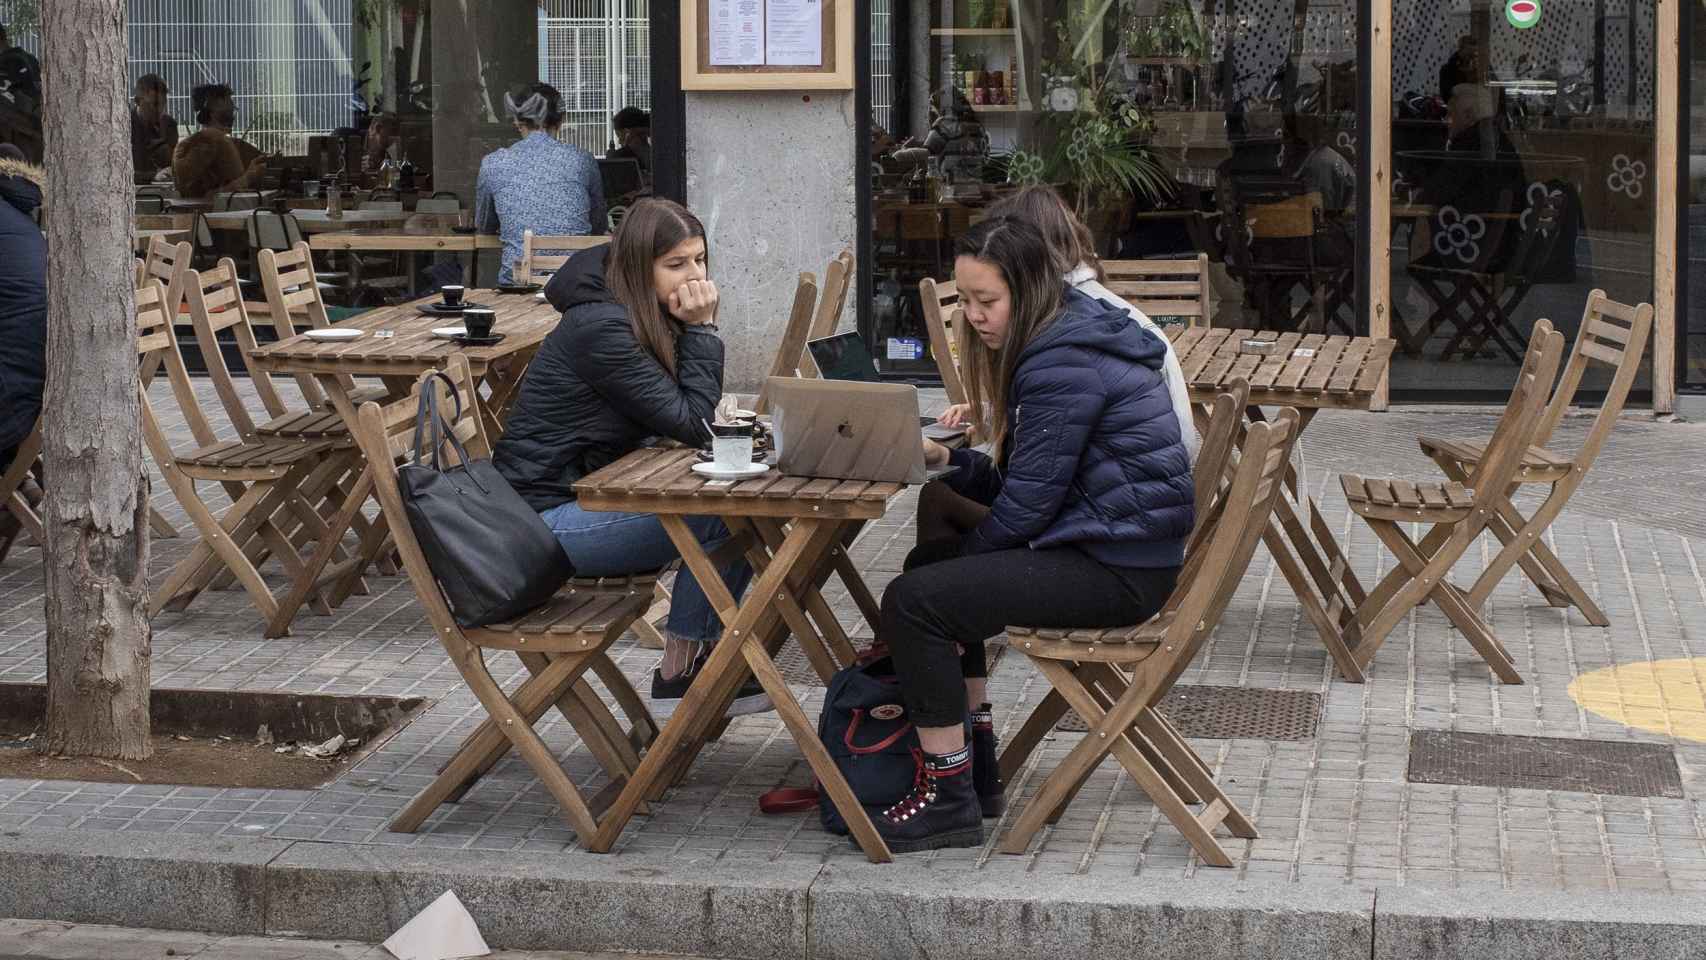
(210, 160)
(636, 357)
(539, 183)
(1089, 495)
(23, 308)
(1480, 174)
(633, 128)
(384, 141)
(153, 131)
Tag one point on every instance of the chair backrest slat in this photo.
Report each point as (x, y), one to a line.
(1207, 583)
(792, 348)
(943, 318)
(166, 262)
(291, 288)
(1219, 431)
(1185, 294)
(216, 306)
(1517, 426)
(535, 258)
(1613, 334)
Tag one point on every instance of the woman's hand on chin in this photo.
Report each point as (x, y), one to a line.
(694, 302)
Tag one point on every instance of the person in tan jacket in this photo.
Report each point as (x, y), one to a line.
(210, 160)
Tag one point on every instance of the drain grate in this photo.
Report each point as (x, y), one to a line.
(1544, 763)
(1233, 713)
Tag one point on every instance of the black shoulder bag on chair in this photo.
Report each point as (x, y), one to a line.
(493, 557)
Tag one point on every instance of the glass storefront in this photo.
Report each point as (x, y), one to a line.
(1692, 285)
(1522, 151)
(1160, 121)
(1523, 175)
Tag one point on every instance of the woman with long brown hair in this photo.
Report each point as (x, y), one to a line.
(636, 356)
(1089, 496)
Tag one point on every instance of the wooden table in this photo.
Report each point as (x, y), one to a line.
(796, 530)
(1344, 373)
(412, 241)
(311, 221)
(397, 361)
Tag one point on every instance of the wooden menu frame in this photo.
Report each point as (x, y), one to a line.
(835, 73)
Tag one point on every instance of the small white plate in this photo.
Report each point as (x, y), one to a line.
(717, 472)
(446, 333)
(540, 296)
(335, 333)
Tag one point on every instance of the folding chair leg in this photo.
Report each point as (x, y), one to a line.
(642, 729)
(533, 750)
(1523, 544)
(1102, 739)
(1038, 725)
(1168, 739)
(1428, 582)
(490, 741)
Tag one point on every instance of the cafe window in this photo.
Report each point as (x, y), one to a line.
(1173, 128)
(1524, 177)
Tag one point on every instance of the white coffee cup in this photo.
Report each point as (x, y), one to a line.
(731, 445)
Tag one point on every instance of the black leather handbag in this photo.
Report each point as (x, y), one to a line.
(493, 557)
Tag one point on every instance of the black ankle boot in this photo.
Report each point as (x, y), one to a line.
(941, 811)
(986, 763)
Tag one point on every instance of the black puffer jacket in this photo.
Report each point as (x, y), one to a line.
(593, 395)
(23, 302)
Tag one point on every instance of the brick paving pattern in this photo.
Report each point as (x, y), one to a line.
(1333, 807)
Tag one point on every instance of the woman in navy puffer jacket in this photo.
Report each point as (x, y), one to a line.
(1090, 501)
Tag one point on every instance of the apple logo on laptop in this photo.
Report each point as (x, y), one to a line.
(846, 430)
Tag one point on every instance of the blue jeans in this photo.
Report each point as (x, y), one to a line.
(607, 544)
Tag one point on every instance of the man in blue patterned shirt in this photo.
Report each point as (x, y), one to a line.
(540, 183)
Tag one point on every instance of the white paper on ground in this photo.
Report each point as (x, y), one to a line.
(443, 931)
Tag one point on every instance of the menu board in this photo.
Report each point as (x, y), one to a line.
(767, 44)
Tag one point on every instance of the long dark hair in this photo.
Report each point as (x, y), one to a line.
(653, 227)
(1018, 250)
(1066, 235)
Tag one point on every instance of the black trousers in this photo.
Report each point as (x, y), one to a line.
(946, 601)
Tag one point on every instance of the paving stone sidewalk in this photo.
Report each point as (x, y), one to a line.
(1337, 807)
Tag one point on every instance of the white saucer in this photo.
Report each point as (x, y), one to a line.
(335, 333)
(716, 472)
(447, 333)
(540, 296)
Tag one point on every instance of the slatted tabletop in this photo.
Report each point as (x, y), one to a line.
(523, 320)
(1307, 371)
(661, 480)
(405, 240)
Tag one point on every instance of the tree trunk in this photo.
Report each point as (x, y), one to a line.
(96, 519)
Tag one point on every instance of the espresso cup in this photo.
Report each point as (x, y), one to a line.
(731, 445)
(478, 322)
(452, 295)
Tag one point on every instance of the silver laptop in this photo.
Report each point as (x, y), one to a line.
(847, 430)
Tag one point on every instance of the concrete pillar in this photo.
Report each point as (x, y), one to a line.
(771, 176)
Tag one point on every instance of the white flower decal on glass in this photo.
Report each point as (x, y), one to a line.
(1627, 176)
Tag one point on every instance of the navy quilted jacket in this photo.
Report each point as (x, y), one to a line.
(1093, 455)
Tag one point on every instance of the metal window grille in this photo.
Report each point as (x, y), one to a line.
(596, 53)
(882, 64)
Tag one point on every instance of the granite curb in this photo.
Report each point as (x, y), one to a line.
(740, 908)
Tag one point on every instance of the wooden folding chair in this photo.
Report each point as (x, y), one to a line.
(24, 518)
(1221, 424)
(1087, 668)
(1612, 335)
(1164, 288)
(541, 254)
(943, 318)
(1458, 511)
(166, 262)
(557, 643)
(812, 317)
(837, 278)
(265, 478)
(293, 291)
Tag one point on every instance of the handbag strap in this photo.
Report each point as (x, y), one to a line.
(428, 421)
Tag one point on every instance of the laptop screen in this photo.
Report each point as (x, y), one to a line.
(844, 357)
